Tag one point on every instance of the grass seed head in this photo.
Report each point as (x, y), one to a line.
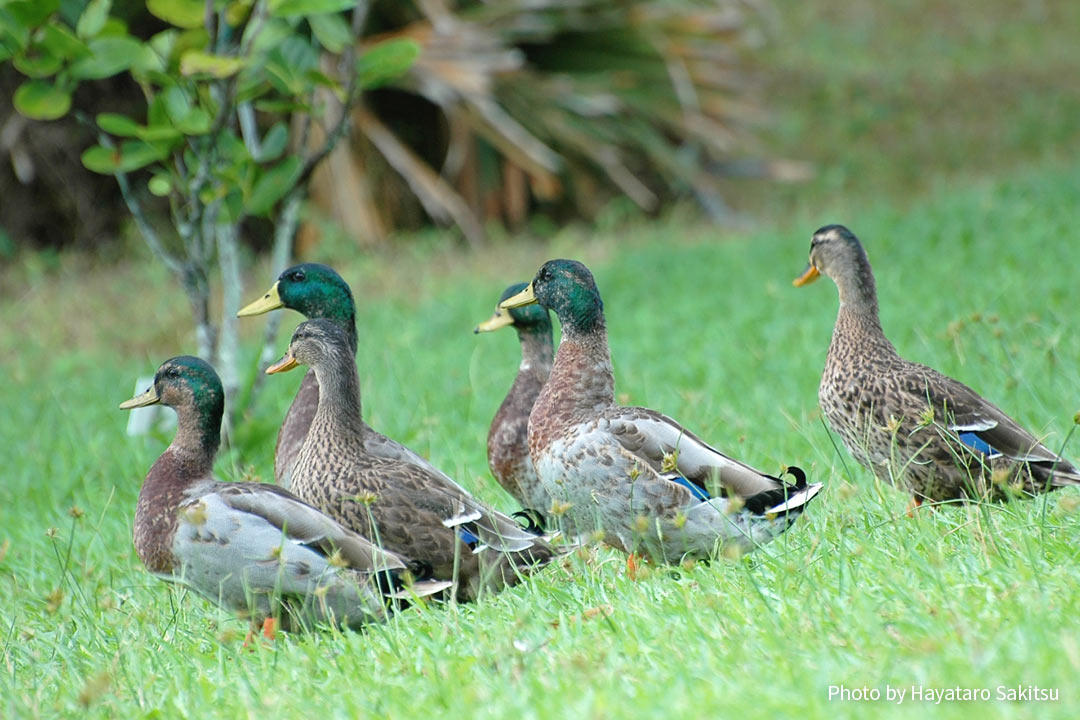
(54, 600)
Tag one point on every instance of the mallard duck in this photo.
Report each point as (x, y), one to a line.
(634, 476)
(251, 547)
(408, 509)
(508, 440)
(907, 423)
(316, 291)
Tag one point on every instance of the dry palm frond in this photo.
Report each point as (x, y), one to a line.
(562, 102)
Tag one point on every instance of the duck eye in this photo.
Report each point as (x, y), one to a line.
(298, 276)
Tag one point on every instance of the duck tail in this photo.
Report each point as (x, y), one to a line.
(419, 589)
(789, 499)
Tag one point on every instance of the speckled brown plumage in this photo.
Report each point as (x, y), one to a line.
(508, 437)
(633, 476)
(906, 422)
(317, 291)
(253, 548)
(408, 509)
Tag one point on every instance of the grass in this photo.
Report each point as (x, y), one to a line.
(706, 328)
(941, 137)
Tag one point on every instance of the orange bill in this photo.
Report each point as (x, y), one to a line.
(283, 365)
(809, 275)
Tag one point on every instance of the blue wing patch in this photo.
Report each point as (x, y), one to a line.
(468, 538)
(977, 444)
(697, 491)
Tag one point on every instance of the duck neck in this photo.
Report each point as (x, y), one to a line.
(537, 351)
(198, 434)
(339, 410)
(582, 378)
(188, 460)
(858, 314)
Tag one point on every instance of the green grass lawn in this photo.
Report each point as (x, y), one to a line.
(980, 282)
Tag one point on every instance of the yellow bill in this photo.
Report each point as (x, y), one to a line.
(150, 397)
(500, 319)
(809, 275)
(283, 365)
(270, 301)
(523, 298)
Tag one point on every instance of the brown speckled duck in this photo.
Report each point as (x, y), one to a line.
(404, 507)
(633, 476)
(907, 423)
(316, 291)
(251, 547)
(508, 438)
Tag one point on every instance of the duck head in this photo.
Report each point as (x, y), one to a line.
(568, 288)
(837, 253)
(524, 318)
(190, 386)
(314, 291)
(314, 342)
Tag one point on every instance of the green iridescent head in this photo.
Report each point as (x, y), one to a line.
(568, 288)
(313, 290)
(525, 319)
(188, 385)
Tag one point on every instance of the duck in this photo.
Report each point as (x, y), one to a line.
(508, 440)
(317, 291)
(630, 475)
(907, 423)
(412, 511)
(253, 548)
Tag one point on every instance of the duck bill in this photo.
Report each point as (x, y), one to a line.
(809, 275)
(150, 397)
(499, 320)
(285, 364)
(270, 301)
(523, 298)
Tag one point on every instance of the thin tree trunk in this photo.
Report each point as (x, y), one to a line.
(284, 233)
(228, 341)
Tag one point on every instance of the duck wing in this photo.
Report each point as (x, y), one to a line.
(660, 441)
(986, 429)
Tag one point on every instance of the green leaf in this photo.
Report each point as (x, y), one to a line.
(160, 185)
(196, 122)
(386, 61)
(332, 32)
(93, 18)
(114, 27)
(187, 14)
(131, 155)
(160, 134)
(287, 63)
(116, 124)
(273, 143)
(31, 13)
(38, 63)
(61, 42)
(108, 56)
(176, 103)
(272, 186)
(14, 35)
(196, 62)
(296, 8)
(39, 100)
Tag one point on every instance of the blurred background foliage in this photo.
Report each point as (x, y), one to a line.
(526, 114)
(513, 107)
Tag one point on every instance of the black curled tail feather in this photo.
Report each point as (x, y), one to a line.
(800, 477)
(531, 521)
(760, 503)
